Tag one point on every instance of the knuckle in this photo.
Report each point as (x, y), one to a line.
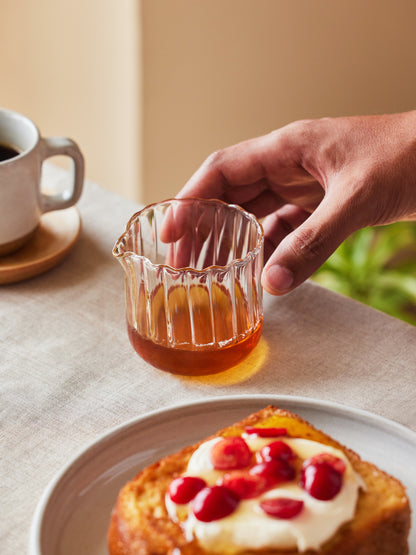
(215, 159)
(301, 127)
(306, 129)
(295, 137)
(308, 244)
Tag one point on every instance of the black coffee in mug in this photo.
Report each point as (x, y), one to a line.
(7, 152)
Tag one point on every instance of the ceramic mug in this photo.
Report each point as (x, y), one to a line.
(22, 202)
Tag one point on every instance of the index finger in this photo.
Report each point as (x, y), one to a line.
(240, 166)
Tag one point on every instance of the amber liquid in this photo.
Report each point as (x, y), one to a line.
(202, 348)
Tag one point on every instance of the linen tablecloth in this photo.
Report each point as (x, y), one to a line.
(69, 374)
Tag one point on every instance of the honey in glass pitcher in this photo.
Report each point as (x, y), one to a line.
(206, 315)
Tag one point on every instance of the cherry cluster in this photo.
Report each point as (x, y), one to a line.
(248, 475)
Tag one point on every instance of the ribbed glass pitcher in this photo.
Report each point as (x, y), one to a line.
(193, 292)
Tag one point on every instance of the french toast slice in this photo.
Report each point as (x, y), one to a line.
(140, 523)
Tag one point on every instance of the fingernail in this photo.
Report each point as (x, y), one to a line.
(279, 278)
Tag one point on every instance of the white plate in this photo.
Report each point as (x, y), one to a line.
(73, 513)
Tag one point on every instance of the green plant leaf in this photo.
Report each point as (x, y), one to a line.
(376, 266)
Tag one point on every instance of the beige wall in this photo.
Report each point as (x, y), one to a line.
(149, 88)
(219, 71)
(73, 66)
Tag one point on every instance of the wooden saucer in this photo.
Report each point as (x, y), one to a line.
(53, 239)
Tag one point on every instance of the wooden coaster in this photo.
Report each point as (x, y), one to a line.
(53, 239)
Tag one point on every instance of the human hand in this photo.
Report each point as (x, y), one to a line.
(315, 182)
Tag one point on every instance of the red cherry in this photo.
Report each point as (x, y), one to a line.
(182, 490)
(321, 480)
(266, 432)
(274, 471)
(230, 453)
(245, 485)
(337, 463)
(282, 507)
(213, 503)
(277, 450)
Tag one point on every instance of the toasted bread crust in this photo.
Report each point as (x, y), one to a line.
(140, 524)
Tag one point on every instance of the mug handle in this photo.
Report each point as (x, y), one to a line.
(53, 146)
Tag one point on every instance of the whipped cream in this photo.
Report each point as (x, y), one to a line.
(248, 527)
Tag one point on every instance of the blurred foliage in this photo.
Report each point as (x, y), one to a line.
(376, 266)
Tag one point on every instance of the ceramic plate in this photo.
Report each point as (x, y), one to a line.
(73, 514)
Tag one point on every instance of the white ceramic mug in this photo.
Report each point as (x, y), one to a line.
(22, 202)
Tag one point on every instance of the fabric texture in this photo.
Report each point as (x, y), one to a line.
(69, 373)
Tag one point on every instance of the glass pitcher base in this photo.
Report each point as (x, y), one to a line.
(196, 361)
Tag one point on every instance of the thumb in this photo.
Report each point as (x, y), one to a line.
(306, 248)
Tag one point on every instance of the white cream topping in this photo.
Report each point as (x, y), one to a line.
(249, 527)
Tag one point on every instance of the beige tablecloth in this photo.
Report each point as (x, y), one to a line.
(69, 374)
